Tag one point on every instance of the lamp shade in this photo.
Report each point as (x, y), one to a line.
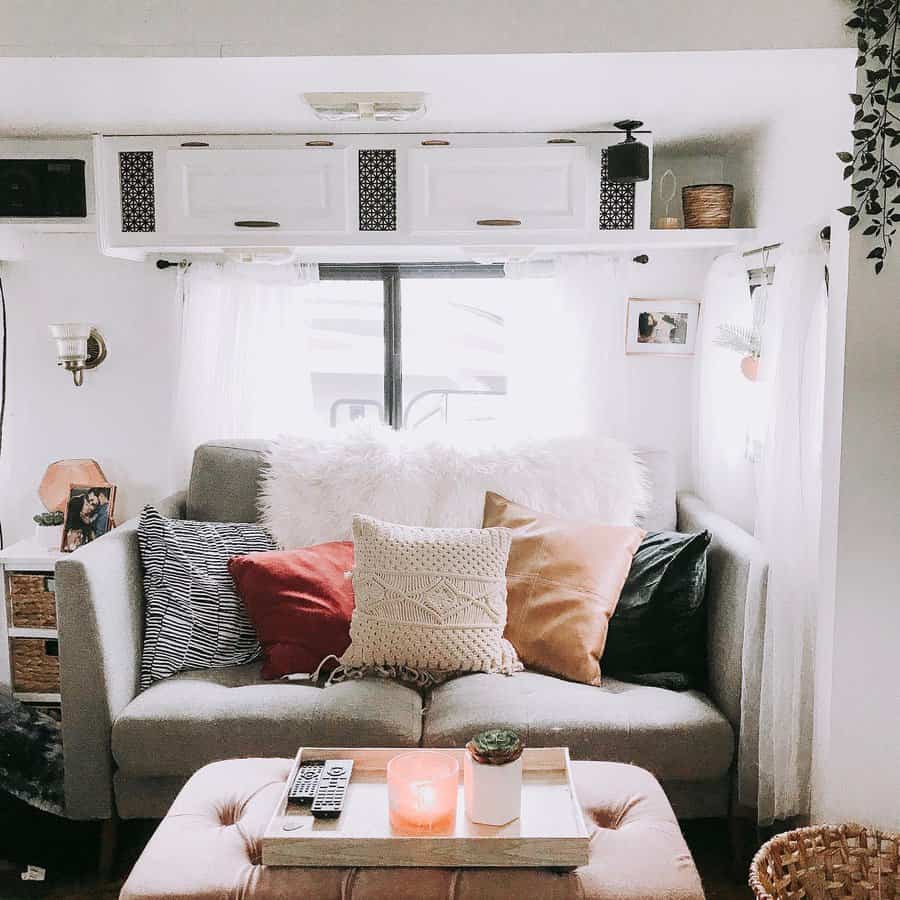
(71, 341)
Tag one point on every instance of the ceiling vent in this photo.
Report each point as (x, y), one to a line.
(379, 107)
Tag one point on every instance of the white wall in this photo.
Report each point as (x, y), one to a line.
(858, 728)
(312, 28)
(660, 388)
(121, 415)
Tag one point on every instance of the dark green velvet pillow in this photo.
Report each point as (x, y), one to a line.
(657, 635)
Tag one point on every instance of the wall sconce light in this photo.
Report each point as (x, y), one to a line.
(629, 161)
(79, 346)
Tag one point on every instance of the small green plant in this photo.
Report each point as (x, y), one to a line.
(49, 519)
(496, 747)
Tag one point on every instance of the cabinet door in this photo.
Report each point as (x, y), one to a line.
(215, 192)
(474, 189)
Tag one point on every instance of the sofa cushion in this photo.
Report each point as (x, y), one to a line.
(563, 581)
(300, 602)
(677, 736)
(430, 600)
(193, 617)
(193, 718)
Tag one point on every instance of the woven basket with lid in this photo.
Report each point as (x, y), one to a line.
(828, 862)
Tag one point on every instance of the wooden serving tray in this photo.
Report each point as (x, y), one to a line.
(550, 833)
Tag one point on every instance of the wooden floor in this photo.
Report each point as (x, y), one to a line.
(68, 851)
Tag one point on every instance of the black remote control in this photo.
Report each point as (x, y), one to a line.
(303, 790)
(332, 788)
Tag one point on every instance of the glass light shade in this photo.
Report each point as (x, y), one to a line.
(71, 341)
(423, 786)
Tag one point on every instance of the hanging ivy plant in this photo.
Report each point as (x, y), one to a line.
(876, 126)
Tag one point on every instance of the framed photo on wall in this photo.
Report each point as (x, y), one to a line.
(89, 514)
(662, 327)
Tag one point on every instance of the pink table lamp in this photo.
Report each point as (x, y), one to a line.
(422, 792)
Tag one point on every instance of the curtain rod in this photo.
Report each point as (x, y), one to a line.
(762, 249)
(824, 234)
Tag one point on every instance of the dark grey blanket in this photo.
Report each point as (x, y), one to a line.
(31, 757)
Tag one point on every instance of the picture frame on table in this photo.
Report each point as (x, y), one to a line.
(90, 512)
(661, 327)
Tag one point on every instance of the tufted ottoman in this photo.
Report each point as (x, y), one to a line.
(208, 848)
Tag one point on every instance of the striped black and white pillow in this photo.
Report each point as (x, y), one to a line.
(193, 617)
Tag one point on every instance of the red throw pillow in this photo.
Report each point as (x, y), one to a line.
(299, 602)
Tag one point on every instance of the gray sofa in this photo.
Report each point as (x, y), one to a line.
(128, 753)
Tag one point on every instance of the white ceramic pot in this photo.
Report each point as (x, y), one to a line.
(49, 536)
(493, 793)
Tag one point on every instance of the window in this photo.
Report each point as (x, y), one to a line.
(415, 346)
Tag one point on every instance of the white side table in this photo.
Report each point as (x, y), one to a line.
(29, 639)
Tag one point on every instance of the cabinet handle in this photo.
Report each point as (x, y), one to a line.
(51, 648)
(435, 142)
(256, 223)
(320, 143)
(561, 141)
(194, 144)
(499, 223)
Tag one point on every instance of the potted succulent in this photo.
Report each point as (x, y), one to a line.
(48, 529)
(492, 774)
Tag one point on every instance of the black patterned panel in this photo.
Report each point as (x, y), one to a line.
(377, 190)
(136, 181)
(616, 202)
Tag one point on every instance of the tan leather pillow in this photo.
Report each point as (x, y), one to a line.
(563, 581)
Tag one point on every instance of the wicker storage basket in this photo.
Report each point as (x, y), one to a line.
(828, 862)
(707, 205)
(31, 604)
(35, 665)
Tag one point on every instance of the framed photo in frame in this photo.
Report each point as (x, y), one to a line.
(89, 514)
(662, 327)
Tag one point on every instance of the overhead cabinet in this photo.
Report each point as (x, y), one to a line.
(163, 193)
(223, 192)
(465, 189)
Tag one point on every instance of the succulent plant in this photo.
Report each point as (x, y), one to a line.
(496, 747)
(49, 519)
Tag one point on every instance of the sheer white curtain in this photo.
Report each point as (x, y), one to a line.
(725, 399)
(566, 346)
(778, 655)
(243, 358)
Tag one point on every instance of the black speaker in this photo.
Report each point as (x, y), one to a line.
(629, 161)
(42, 188)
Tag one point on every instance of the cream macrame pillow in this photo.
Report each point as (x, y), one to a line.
(429, 601)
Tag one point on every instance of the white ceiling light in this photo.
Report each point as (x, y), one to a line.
(339, 106)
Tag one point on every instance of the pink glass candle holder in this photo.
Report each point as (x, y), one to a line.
(422, 792)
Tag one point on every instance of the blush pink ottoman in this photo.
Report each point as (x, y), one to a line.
(208, 848)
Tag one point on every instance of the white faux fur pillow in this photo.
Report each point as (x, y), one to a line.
(313, 485)
(429, 601)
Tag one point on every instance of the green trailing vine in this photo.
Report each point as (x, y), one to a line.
(876, 126)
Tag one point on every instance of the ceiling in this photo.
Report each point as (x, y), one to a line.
(682, 97)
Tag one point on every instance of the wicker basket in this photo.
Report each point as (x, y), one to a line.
(31, 604)
(828, 862)
(707, 205)
(35, 665)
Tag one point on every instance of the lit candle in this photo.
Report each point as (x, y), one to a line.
(422, 791)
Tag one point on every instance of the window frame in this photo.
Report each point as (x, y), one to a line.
(391, 276)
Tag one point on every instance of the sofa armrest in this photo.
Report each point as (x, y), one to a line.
(100, 601)
(737, 575)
